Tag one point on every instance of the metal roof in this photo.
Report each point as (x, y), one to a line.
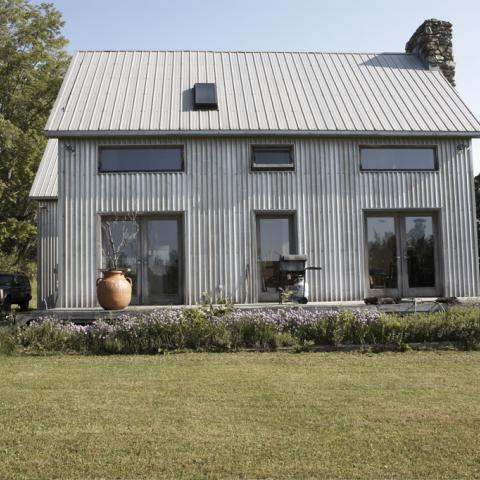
(149, 92)
(45, 183)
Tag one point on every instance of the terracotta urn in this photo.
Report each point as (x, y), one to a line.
(114, 290)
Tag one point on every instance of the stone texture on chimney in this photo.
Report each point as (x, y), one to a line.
(433, 42)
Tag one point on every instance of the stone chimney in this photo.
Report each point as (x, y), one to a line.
(433, 43)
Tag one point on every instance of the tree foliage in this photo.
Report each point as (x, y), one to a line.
(33, 61)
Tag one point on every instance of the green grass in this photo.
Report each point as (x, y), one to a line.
(244, 415)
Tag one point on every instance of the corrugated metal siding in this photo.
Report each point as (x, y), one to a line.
(219, 195)
(150, 91)
(47, 254)
(45, 182)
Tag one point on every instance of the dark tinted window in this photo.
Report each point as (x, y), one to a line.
(392, 158)
(205, 96)
(155, 159)
(6, 280)
(272, 158)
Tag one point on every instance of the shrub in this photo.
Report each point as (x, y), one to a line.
(9, 342)
(208, 328)
(252, 330)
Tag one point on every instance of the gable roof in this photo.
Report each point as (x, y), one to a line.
(45, 184)
(149, 93)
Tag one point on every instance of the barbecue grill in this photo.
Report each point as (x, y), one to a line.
(292, 277)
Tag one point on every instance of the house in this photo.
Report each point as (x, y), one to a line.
(215, 163)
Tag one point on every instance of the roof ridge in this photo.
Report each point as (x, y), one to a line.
(241, 51)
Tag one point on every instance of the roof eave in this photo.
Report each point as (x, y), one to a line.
(42, 198)
(250, 133)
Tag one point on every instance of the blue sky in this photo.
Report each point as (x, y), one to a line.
(341, 25)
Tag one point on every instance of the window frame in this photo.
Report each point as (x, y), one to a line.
(272, 167)
(139, 147)
(399, 147)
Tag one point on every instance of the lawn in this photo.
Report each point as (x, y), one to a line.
(242, 415)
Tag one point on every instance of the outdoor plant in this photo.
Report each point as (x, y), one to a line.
(205, 328)
(286, 295)
(221, 306)
(117, 232)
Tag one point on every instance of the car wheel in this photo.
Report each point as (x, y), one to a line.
(24, 305)
(7, 304)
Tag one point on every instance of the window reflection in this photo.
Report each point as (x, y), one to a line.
(420, 251)
(275, 239)
(140, 159)
(163, 259)
(272, 157)
(397, 158)
(382, 252)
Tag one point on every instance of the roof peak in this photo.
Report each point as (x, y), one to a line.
(240, 51)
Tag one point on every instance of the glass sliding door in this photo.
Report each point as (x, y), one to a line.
(162, 252)
(402, 255)
(382, 244)
(151, 254)
(419, 256)
(275, 237)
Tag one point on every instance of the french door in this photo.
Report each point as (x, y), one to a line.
(402, 255)
(275, 237)
(152, 253)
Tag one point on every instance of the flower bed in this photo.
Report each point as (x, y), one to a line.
(210, 329)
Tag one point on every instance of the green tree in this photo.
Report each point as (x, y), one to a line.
(33, 62)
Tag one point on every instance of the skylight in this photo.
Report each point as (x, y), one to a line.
(205, 96)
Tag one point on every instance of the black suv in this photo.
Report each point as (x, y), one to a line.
(16, 289)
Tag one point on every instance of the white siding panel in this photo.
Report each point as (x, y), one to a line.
(47, 254)
(218, 196)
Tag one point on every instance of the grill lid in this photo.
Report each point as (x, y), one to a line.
(293, 258)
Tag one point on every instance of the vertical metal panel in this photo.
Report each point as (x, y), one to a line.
(135, 91)
(47, 254)
(219, 196)
(44, 185)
